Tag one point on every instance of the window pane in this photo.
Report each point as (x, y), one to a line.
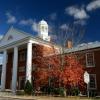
(92, 84)
(90, 59)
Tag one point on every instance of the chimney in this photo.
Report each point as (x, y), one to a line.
(69, 44)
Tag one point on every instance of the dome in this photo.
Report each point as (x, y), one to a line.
(43, 22)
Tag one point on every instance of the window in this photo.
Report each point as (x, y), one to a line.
(92, 84)
(10, 37)
(21, 69)
(50, 66)
(42, 28)
(22, 56)
(90, 59)
(46, 29)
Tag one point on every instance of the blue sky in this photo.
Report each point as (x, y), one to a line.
(25, 14)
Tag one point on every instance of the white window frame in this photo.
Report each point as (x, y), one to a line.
(95, 83)
(87, 61)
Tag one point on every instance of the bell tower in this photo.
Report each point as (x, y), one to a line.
(43, 30)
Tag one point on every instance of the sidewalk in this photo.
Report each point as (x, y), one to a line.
(20, 97)
(44, 98)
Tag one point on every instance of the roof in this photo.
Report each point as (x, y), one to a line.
(84, 46)
(37, 38)
(43, 22)
(80, 47)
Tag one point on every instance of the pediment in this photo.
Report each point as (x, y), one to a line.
(13, 35)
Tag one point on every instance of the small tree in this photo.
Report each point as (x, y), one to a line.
(28, 89)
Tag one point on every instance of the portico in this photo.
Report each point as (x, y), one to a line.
(15, 49)
(11, 44)
(15, 66)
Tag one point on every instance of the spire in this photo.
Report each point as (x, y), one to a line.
(43, 30)
(43, 22)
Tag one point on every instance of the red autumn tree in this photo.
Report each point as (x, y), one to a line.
(68, 73)
(45, 65)
(72, 73)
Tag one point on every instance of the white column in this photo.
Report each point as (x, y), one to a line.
(29, 62)
(3, 75)
(14, 70)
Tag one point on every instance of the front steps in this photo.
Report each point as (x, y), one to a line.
(6, 93)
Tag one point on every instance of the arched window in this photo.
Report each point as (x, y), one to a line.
(42, 28)
(46, 29)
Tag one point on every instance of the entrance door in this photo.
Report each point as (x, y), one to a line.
(21, 83)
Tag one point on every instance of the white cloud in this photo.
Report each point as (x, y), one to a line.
(50, 28)
(35, 26)
(53, 16)
(93, 5)
(64, 27)
(10, 18)
(77, 13)
(30, 22)
(80, 22)
(26, 22)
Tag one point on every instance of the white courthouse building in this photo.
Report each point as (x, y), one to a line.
(16, 48)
